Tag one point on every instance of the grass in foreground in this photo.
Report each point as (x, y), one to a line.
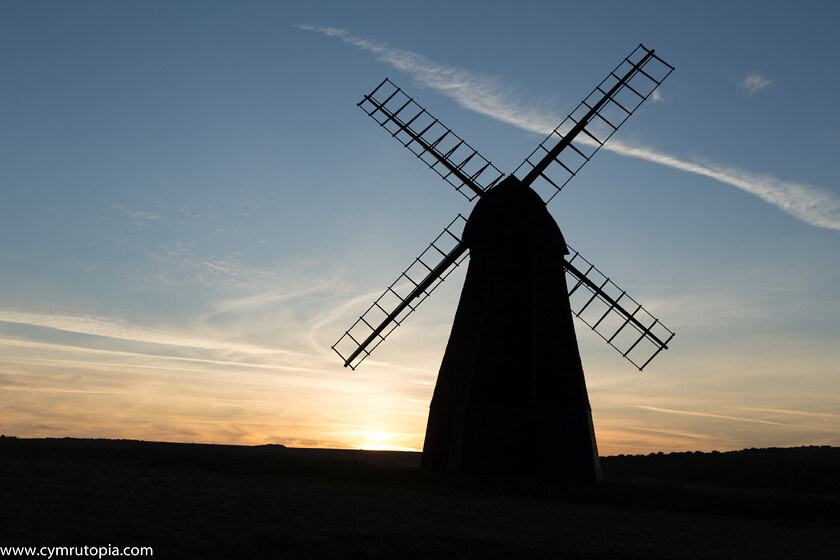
(202, 501)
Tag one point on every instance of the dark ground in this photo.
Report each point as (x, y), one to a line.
(215, 501)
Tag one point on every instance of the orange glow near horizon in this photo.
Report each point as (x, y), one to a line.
(613, 438)
(56, 390)
(381, 441)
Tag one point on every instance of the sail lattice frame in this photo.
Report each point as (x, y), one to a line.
(403, 296)
(436, 145)
(634, 80)
(615, 316)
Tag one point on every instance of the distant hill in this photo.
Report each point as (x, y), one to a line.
(812, 469)
(797, 469)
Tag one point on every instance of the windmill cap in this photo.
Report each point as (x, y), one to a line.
(512, 213)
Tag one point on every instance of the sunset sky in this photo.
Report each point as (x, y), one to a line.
(194, 210)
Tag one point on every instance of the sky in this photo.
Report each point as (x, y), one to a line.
(194, 210)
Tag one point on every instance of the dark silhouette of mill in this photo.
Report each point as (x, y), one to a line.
(511, 396)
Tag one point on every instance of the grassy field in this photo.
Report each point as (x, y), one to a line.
(207, 501)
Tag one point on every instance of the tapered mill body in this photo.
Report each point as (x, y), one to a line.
(510, 396)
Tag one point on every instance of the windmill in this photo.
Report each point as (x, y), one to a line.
(510, 396)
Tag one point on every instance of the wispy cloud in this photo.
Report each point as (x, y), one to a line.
(755, 82)
(138, 217)
(103, 327)
(263, 300)
(681, 434)
(809, 204)
(728, 417)
(491, 96)
(109, 358)
(487, 95)
(789, 412)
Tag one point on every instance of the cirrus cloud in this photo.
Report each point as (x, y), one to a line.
(490, 96)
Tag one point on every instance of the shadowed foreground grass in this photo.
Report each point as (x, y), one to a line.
(207, 501)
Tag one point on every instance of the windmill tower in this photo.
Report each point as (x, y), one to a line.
(511, 396)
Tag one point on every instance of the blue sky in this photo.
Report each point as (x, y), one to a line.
(194, 210)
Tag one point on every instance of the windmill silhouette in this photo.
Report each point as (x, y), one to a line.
(510, 396)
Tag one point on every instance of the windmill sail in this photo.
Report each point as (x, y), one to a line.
(441, 149)
(609, 311)
(613, 314)
(550, 166)
(402, 297)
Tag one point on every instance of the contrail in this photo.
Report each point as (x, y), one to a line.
(119, 330)
(490, 96)
(725, 417)
(127, 354)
